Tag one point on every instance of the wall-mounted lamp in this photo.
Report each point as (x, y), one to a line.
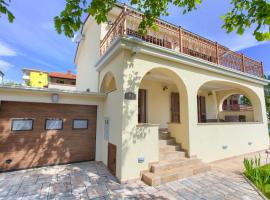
(55, 98)
(109, 22)
(165, 88)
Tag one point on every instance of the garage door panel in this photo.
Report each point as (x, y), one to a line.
(41, 147)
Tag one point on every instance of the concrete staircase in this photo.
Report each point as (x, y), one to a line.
(173, 164)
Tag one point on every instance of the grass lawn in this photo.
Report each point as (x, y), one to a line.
(259, 175)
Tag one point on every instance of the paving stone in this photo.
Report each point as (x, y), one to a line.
(92, 180)
(97, 191)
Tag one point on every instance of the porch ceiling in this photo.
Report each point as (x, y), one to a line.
(158, 76)
(217, 86)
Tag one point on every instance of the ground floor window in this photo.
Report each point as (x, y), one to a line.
(22, 125)
(80, 124)
(54, 124)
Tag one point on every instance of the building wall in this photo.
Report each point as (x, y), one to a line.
(113, 107)
(61, 86)
(87, 57)
(88, 54)
(158, 101)
(38, 79)
(207, 141)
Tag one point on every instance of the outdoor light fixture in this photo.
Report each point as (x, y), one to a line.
(55, 98)
(165, 88)
(109, 22)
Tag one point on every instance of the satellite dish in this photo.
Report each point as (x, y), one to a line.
(77, 37)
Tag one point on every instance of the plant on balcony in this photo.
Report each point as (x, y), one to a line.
(258, 175)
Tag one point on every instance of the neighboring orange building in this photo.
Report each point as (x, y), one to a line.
(60, 80)
(43, 79)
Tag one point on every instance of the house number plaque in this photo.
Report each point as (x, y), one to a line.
(130, 96)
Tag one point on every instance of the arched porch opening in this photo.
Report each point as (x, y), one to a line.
(108, 83)
(163, 101)
(219, 101)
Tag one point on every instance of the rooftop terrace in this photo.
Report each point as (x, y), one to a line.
(180, 40)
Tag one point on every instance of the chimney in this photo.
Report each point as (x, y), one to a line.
(69, 72)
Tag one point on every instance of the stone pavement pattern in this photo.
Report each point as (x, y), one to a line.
(91, 180)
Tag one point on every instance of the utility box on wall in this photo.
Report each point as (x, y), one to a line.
(106, 128)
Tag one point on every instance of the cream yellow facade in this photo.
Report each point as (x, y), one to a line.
(130, 64)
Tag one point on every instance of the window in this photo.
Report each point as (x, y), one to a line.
(54, 124)
(22, 125)
(60, 81)
(80, 124)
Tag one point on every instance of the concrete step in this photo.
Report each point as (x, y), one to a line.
(164, 136)
(173, 155)
(168, 141)
(155, 179)
(169, 148)
(171, 164)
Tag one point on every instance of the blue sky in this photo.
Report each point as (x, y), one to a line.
(32, 42)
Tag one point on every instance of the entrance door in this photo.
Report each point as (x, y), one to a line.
(201, 109)
(175, 108)
(112, 158)
(142, 106)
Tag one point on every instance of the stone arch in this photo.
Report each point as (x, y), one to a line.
(220, 103)
(225, 88)
(108, 83)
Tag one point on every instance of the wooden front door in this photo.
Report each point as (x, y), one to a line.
(201, 109)
(142, 106)
(175, 107)
(112, 158)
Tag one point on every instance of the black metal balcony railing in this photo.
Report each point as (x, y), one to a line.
(180, 40)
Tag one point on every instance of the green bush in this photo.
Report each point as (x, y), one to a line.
(259, 175)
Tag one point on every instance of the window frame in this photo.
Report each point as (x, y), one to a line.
(17, 119)
(87, 127)
(62, 127)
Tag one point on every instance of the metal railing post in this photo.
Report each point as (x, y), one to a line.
(243, 63)
(180, 40)
(217, 53)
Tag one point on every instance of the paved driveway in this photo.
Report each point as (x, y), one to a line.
(91, 180)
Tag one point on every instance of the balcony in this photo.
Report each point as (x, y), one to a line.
(180, 40)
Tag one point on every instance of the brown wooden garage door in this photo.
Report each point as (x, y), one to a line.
(39, 147)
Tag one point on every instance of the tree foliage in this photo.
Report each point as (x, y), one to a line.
(249, 13)
(245, 14)
(4, 4)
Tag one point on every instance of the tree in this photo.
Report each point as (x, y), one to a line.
(254, 14)
(4, 10)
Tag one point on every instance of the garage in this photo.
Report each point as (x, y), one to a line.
(40, 134)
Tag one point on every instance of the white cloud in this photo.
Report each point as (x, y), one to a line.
(5, 66)
(240, 42)
(6, 50)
